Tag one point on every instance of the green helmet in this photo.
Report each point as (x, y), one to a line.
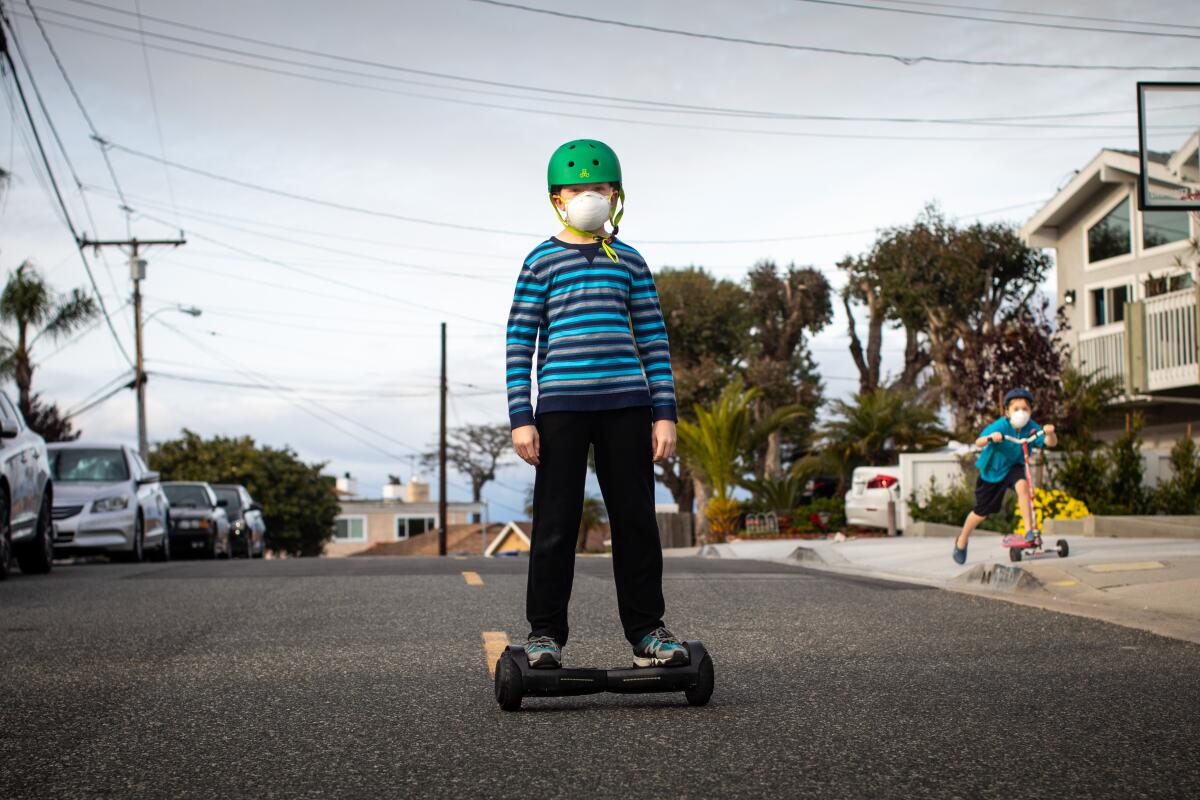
(583, 161)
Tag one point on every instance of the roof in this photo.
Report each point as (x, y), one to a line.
(1108, 168)
(86, 445)
(462, 538)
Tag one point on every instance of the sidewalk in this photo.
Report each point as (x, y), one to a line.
(1151, 584)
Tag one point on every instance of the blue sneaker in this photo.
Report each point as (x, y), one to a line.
(1031, 538)
(543, 652)
(660, 648)
(960, 553)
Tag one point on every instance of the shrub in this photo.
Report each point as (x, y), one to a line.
(1053, 504)
(951, 505)
(1181, 493)
(821, 515)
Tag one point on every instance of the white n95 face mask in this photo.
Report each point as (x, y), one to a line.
(588, 211)
(1019, 418)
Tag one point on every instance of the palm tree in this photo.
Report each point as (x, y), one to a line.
(718, 447)
(876, 426)
(30, 305)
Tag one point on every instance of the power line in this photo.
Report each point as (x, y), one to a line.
(578, 98)
(78, 102)
(137, 4)
(965, 7)
(325, 278)
(943, 15)
(54, 182)
(907, 61)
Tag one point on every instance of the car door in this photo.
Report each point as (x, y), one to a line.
(18, 469)
(149, 495)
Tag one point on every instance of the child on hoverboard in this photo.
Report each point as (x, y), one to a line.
(1002, 467)
(586, 300)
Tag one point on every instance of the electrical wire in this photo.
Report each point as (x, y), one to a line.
(1026, 23)
(54, 184)
(966, 7)
(137, 4)
(578, 98)
(318, 276)
(907, 61)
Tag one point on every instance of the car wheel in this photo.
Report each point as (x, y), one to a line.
(163, 553)
(5, 538)
(138, 554)
(37, 557)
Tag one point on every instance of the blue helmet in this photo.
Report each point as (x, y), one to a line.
(1020, 393)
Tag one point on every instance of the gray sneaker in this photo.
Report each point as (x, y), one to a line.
(543, 652)
(660, 648)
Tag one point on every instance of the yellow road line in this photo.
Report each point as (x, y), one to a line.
(494, 643)
(1126, 566)
(472, 579)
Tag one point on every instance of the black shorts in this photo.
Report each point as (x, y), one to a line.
(990, 496)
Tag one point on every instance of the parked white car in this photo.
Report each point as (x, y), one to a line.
(26, 492)
(107, 501)
(871, 489)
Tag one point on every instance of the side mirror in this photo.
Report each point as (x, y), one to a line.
(255, 506)
(148, 478)
(8, 429)
(222, 503)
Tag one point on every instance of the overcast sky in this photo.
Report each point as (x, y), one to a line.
(341, 308)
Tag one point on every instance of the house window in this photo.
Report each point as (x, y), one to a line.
(350, 529)
(411, 526)
(1163, 227)
(1108, 304)
(1110, 237)
(1169, 283)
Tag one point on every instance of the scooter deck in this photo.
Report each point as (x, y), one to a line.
(570, 681)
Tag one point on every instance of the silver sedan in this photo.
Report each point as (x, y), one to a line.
(106, 500)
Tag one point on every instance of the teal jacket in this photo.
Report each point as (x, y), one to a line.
(998, 458)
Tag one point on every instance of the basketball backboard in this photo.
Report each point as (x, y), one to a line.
(1169, 146)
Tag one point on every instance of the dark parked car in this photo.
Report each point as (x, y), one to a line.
(26, 494)
(247, 530)
(818, 487)
(198, 520)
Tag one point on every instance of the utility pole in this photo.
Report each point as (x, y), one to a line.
(137, 271)
(442, 455)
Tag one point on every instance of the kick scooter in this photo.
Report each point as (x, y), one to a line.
(1019, 546)
(515, 679)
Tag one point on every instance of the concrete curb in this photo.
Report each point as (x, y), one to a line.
(999, 578)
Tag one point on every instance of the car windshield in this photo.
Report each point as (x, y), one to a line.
(186, 496)
(232, 501)
(97, 466)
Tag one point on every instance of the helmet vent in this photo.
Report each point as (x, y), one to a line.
(572, 147)
(570, 163)
(595, 163)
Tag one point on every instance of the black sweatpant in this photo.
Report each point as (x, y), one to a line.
(625, 469)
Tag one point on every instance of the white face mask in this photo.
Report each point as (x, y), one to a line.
(1019, 418)
(588, 211)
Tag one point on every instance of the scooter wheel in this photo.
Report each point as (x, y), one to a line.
(508, 683)
(1014, 554)
(1063, 549)
(699, 694)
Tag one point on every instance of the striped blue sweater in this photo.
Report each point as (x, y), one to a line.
(601, 341)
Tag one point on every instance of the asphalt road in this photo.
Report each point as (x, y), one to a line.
(366, 678)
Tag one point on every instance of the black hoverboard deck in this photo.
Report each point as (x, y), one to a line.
(515, 679)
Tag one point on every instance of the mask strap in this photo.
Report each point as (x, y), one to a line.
(614, 217)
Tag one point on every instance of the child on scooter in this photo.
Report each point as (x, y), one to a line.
(1002, 466)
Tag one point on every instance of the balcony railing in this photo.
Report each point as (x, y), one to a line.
(1102, 352)
(1171, 354)
(1156, 349)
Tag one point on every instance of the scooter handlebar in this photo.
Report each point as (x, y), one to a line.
(1027, 439)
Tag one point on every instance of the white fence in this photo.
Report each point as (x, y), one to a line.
(1102, 351)
(1171, 354)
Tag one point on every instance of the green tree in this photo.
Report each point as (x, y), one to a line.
(874, 428)
(299, 503)
(786, 307)
(33, 310)
(708, 325)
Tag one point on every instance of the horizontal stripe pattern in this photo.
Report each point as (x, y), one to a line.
(596, 330)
